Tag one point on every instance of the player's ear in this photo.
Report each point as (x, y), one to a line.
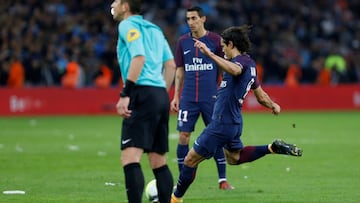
(231, 44)
(203, 18)
(125, 6)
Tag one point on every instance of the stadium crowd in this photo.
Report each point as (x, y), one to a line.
(73, 43)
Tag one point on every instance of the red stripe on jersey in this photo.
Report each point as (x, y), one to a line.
(197, 78)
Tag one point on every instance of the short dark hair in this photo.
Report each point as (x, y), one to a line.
(198, 9)
(134, 5)
(239, 37)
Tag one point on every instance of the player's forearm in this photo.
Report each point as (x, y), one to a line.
(263, 98)
(169, 73)
(226, 65)
(266, 101)
(179, 80)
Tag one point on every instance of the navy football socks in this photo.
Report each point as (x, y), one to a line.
(181, 152)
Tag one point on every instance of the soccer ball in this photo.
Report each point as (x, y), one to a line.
(151, 192)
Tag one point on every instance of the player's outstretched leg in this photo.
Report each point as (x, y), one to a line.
(252, 153)
(281, 147)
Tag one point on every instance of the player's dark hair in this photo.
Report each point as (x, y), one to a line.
(198, 9)
(134, 5)
(239, 37)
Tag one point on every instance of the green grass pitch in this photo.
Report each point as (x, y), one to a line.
(76, 159)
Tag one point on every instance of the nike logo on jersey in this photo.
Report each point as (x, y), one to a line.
(186, 52)
(125, 141)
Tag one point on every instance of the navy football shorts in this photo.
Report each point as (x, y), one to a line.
(189, 113)
(216, 135)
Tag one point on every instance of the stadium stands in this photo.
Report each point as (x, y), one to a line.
(46, 35)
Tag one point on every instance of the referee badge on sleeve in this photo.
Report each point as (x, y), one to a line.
(132, 35)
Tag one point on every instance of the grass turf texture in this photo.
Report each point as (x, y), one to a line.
(76, 159)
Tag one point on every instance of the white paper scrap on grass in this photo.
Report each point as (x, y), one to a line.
(110, 184)
(14, 192)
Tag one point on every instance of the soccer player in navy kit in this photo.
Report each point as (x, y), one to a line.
(198, 77)
(225, 129)
(147, 67)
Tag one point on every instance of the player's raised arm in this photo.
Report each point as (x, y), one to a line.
(226, 65)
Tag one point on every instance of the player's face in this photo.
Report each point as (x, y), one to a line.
(226, 50)
(194, 21)
(118, 10)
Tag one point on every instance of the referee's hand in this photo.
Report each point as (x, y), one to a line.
(122, 107)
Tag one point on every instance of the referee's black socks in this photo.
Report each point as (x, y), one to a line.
(134, 182)
(164, 183)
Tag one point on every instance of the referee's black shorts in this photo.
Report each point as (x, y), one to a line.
(148, 125)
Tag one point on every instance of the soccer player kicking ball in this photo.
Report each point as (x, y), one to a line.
(197, 78)
(225, 129)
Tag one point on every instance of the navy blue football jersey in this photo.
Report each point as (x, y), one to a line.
(200, 72)
(233, 90)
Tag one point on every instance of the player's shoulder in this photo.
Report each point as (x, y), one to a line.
(184, 37)
(214, 35)
(245, 60)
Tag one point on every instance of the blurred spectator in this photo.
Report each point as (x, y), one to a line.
(293, 76)
(336, 64)
(16, 74)
(324, 77)
(323, 74)
(103, 77)
(74, 76)
(260, 71)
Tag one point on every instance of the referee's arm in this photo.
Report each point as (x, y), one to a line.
(169, 72)
(136, 66)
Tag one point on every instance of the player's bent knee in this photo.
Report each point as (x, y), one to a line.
(184, 138)
(192, 159)
(232, 157)
(232, 161)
